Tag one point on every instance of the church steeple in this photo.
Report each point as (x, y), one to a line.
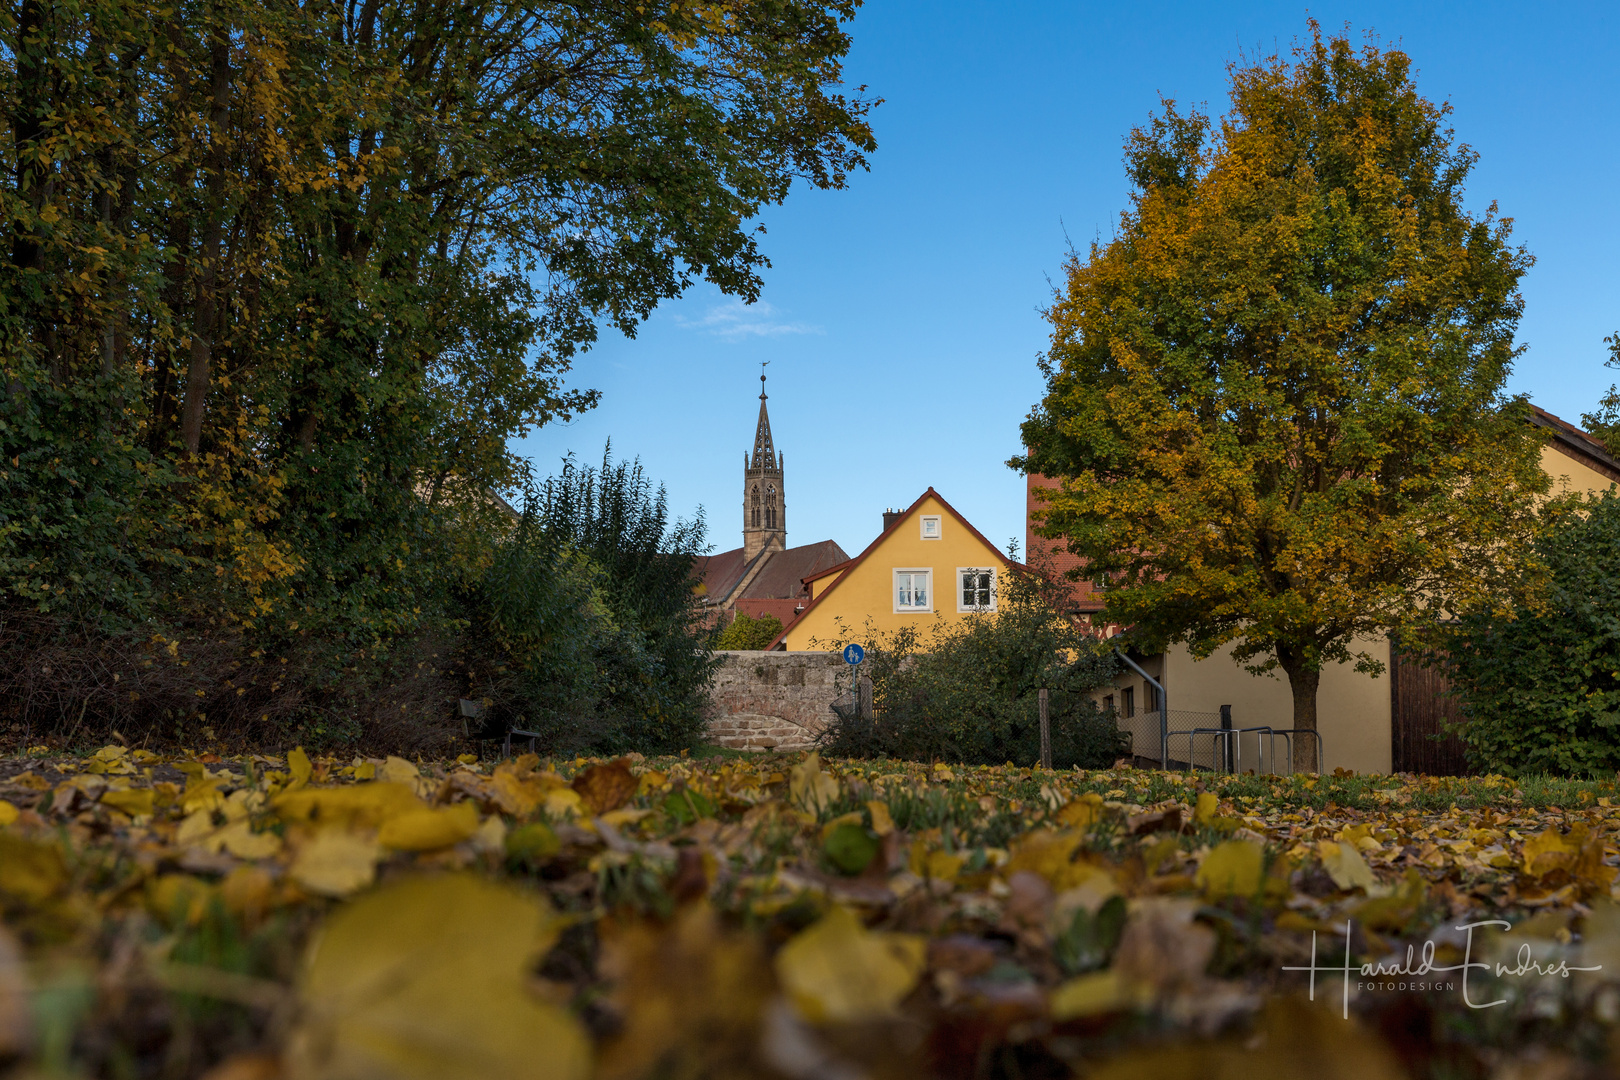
(764, 502)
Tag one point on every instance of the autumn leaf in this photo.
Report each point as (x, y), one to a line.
(335, 863)
(426, 979)
(837, 970)
(605, 787)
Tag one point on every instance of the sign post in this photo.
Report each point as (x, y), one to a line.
(853, 655)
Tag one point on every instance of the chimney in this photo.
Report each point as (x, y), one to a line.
(890, 516)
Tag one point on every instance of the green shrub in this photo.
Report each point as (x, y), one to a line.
(972, 694)
(749, 633)
(586, 623)
(1541, 687)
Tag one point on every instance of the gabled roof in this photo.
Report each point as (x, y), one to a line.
(780, 577)
(1573, 442)
(847, 568)
(783, 576)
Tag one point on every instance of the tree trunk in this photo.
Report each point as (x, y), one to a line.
(1304, 678)
(199, 373)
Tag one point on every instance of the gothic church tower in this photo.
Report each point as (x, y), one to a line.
(764, 507)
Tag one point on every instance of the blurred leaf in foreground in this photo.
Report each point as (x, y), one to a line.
(426, 980)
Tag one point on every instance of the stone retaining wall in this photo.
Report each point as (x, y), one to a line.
(772, 700)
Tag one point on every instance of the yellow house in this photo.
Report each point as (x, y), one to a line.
(1390, 723)
(929, 563)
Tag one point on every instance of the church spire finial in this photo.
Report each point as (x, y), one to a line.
(762, 365)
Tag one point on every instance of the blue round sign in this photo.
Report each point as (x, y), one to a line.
(854, 654)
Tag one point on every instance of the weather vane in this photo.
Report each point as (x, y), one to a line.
(762, 366)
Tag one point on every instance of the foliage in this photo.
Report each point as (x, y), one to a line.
(1541, 686)
(730, 916)
(284, 279)
(969, 691)
(588, 626)
(1605, 423)
(1275, 399)
(749, 633)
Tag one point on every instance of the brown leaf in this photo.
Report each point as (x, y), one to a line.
(691, 993)
(605, 787)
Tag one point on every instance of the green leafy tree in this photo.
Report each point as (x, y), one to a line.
(1540, 685)
(588, 630)
(1605, 423)
(284, 279)
(746, 632)
(1275, 398)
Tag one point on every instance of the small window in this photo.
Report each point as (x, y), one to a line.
(1150, 697)
(976, 589)
(1108, 702)
(911, 589)
(1127, 701)
(930, 527)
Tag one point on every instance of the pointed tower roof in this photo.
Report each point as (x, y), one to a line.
(764, 449)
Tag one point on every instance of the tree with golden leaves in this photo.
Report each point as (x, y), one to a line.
(1275, 398)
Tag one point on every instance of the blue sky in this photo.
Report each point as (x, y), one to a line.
(902, 316)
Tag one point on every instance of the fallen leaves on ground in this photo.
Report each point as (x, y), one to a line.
(303, 917)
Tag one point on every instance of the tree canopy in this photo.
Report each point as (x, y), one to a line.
(284, 278)
(1275, 398)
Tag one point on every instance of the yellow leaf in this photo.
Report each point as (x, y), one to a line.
(563, 802)
(426, 979)
(1052, 855)
(943, 773)
(1231, 869)
(1086, 810)
(1204, 812)
(247, 890)
(1099, 992)
(1345, 865)
(362, 804)
(882, 823)
(8, 813)
(809, 788)
(838, 971)
(240, 840)
(132, 801)
(335, 863)
(397, 770)
(299, 765)
(30, 872)
(1548, 851)
(426, 829)
(178, 899)
(366, 770)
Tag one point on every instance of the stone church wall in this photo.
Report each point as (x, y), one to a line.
(772, 700)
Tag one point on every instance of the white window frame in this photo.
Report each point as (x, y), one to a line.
(965, 608)
(939, 526)
(928, 573)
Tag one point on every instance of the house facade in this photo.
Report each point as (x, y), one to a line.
(764, 576)
(1369, 724)
(928, 564)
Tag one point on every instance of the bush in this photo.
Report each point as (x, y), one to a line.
(972, 695)
(1541, 687)
(586, 626)
(749, 633)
